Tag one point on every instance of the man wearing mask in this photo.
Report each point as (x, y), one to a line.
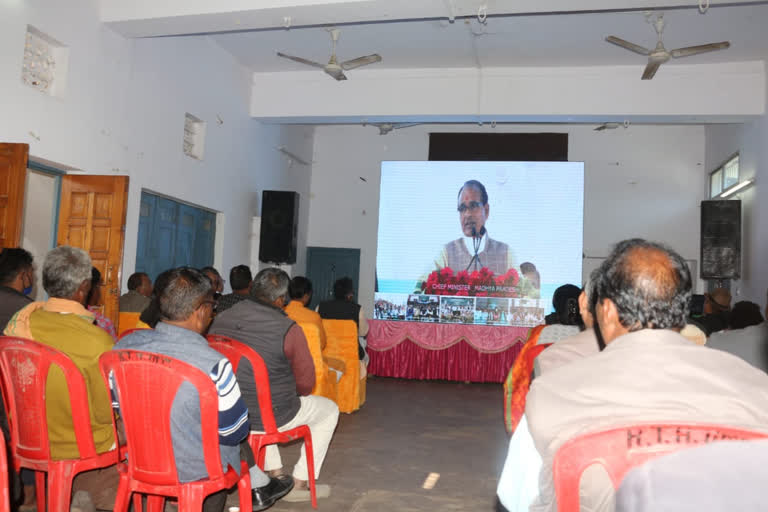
(17, 277)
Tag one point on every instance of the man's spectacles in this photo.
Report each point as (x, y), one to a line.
(472, 206)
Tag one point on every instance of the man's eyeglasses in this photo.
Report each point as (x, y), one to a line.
(472, 206)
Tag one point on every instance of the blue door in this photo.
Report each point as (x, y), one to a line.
(173, 234)
(327, 264)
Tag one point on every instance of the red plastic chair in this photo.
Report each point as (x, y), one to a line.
(4, 494)
(620, 449)
(24, 365)
(518, 380)
(146, 386)
(235, 351)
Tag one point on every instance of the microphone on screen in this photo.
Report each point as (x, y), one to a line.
(475, 246)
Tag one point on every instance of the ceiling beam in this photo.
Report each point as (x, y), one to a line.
(148, 18)
(727, 92)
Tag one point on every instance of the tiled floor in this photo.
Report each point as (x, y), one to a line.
(381, 455)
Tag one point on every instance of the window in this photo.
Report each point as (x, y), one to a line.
(724, 177)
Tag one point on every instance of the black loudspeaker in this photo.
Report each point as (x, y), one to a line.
(279, 226)
(721, 239)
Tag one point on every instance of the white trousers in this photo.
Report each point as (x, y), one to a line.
(321, 415)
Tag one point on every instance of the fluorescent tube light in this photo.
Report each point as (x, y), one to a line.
(736, 188)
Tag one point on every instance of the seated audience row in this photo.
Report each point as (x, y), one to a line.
(183, 304)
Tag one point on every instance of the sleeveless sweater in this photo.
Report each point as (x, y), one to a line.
(263, 328)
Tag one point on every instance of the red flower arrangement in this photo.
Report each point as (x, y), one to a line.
(479, 283)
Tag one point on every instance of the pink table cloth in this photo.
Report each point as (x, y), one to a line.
(458, 352)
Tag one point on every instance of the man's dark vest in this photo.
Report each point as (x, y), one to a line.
(263, 328)
(342, 310)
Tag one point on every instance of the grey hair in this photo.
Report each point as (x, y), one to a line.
(64, 270)
(184, 291)
(270, 284)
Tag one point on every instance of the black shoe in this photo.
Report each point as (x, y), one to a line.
(266, 496)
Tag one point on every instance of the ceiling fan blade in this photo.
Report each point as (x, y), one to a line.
(693, 50)
(361, 61)
(629, 46)
(601, 128)
(340, 76)
(651, 68)
(301, 61)
(405, 125)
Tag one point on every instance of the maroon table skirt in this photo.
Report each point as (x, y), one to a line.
(414, 350)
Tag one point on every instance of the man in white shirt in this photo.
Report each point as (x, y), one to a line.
(647, 372)
(748, 338)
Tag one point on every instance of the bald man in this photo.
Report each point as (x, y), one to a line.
(648, 372)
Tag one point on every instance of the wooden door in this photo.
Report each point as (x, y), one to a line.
(92, 217)
(13, 175)
(327, 264)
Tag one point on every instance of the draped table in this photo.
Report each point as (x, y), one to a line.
(458, 352)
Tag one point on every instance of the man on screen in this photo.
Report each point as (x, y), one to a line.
(476, 249)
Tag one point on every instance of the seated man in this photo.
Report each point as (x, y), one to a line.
(215, 277)
(717, 308)
(748, 336)
(186, 305)
(574, 347)
(300, 292)
(17, 277)
(647, 372)
(139, 293)
(240, 280)
(64, 324)
(263, 325)
(344, 307)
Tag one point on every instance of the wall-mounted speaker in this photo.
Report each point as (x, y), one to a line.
(721, 239)
(279, 226)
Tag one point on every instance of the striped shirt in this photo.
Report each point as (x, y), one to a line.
(234, 426)
(233, 415)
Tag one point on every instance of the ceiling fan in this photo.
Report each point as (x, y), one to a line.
(334, 68)
(660, 55)
(611, 126)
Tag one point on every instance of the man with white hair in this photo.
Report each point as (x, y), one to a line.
(648, 371)
(63, 323)
(263, 325)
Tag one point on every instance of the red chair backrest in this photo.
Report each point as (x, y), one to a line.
(4, 494)
(620, 449)
(24, 365)
(146, 385)
(235, 351)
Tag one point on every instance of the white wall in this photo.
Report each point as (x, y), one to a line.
(750, 140)
(645, 181)
(123, 113)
